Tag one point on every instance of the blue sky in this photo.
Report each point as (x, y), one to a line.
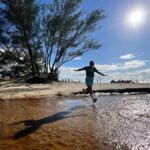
(126, 49)
(115, 35)
(125, 53)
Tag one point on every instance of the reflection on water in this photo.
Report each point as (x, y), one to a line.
(114, 122)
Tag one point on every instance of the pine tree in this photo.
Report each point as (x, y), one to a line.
(23, 30)
(66, 32)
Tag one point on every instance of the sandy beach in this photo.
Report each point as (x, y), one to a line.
(115, 122)
(23, 90)
(49, 117)
(74, 75)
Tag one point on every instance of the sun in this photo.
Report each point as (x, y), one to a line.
(136, 17)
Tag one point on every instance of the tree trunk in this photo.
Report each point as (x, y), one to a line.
(53, 76)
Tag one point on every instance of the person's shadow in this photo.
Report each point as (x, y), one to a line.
(33, 125)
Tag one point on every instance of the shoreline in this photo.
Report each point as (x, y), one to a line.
(10, 90)
(36, 123)
(120, 91)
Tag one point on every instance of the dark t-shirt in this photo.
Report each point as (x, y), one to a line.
(90, 71)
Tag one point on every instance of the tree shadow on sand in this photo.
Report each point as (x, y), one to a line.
(33, 125)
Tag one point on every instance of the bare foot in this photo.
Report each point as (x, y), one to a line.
(94, 100)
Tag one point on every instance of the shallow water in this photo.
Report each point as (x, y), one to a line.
(115, 122)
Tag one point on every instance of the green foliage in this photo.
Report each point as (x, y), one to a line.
(66, 32)
(46, 36)
(23, 28)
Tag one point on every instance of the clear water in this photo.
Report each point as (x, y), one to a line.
(115, 122)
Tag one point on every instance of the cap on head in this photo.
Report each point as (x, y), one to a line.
(91, 63)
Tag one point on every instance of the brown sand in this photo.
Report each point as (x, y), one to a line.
(41, 125)
(115, 123)
(59, 123)
(12, 90)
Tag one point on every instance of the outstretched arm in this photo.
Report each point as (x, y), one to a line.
(99, 72)
(80, 69)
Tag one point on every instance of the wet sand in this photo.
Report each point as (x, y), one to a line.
(10, 90)
(114, 123)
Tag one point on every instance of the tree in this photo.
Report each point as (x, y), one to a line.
(66, 33)
(23, 30)
(32, 34)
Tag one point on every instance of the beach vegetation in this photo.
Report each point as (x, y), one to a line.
(38, 37)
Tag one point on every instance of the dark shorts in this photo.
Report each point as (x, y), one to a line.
(89, 81)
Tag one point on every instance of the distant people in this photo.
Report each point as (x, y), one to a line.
(90, 78)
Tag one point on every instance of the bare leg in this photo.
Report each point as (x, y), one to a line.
(91, 93)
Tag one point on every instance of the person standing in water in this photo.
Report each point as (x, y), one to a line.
(90, 78)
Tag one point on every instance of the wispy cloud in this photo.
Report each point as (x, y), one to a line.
(133, 64)
(69, 73)
(128, 56)
(2, 50)
(121, 72)
(141, 75)
(122, 66)
(78, 58)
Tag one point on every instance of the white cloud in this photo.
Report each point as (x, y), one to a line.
(78, 58)
(128, 56)
(2, 50)
(69, 73)
(122, 66)
(111, 67)
(134, 64)
(140, 76)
